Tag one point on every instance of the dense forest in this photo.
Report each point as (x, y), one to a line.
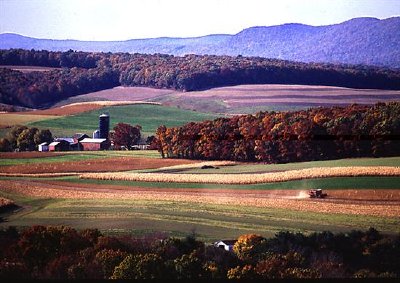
(60, 252)
(83, 72)
(280, 137)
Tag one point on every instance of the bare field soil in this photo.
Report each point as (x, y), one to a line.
(121, 93)
(79, 107)
(29, 154)
(241, 96)
(369, 202)
(112, 164)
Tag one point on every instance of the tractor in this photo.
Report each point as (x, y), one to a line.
(317, 193)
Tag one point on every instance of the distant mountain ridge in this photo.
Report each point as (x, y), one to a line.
(367, 41)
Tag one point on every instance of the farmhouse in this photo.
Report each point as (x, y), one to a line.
(95, 144)
(225, 244)
(61, 145)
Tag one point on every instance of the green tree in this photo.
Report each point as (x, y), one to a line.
(43, 136)
(26, 141)
(13, 134)
(141, 266)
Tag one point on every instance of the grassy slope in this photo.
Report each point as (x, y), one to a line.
(150, 117)
(210, 222)
(79, 155)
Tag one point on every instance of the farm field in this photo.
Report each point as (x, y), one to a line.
(86, 120)
(213, 211)
(253, 98)
(28, 69)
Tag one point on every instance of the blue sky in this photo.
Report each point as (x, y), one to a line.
(128, 19)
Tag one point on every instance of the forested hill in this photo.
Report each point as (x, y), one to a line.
(83, 72)
(367, 41)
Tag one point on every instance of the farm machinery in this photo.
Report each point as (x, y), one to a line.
(317, 193)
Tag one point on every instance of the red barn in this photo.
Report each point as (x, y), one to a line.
(61, 145)
(95, 144)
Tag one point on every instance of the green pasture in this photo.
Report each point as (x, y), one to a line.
(80, 155)
(150, 117)
(179, 218)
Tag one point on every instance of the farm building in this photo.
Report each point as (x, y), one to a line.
(43, 146)
(95, 144)
(225, 244)
(61, 145)
(79, 136)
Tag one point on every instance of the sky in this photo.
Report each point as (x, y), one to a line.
(131, 19)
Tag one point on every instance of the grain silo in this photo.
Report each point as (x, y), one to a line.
(104, 125)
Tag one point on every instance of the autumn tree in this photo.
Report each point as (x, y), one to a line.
(126, 135)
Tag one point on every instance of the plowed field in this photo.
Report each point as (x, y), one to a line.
(94, 165)
(366, 202)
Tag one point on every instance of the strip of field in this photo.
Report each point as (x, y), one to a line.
(150, 117)
(120, 93)
(81, 107)
(94, 164)
(249, 178)
(8, 120)
(29, 69)
(212, 214)
(252, 98)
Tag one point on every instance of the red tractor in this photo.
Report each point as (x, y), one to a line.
(317, 193)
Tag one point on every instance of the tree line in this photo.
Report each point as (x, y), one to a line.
(61, 252)
(278, 137)
(83, 72)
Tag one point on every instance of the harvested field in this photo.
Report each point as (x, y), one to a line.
(95, 165)
(29, 154)
(271, 199)
(121, 93)
(8, 120)
(250, 178)
(233, 99)
(29, 69)
(80, 107)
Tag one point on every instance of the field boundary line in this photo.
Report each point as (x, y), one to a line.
(39, 175)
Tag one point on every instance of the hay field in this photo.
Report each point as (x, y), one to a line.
(8, 120)
(253, 98)
(270, 177)
(213, 210)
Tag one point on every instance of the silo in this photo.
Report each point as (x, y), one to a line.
(104, 125)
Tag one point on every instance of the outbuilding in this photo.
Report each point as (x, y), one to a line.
(43, 146)
(61, 145)
(95, 144)
(225, 244)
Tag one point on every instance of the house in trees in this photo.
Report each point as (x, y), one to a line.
(95, 144)
(225, 244)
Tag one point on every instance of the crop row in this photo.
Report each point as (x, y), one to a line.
(290, 175)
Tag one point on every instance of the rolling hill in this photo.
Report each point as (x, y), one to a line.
(367, 41)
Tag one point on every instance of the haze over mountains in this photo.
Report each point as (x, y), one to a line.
(368, 41)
